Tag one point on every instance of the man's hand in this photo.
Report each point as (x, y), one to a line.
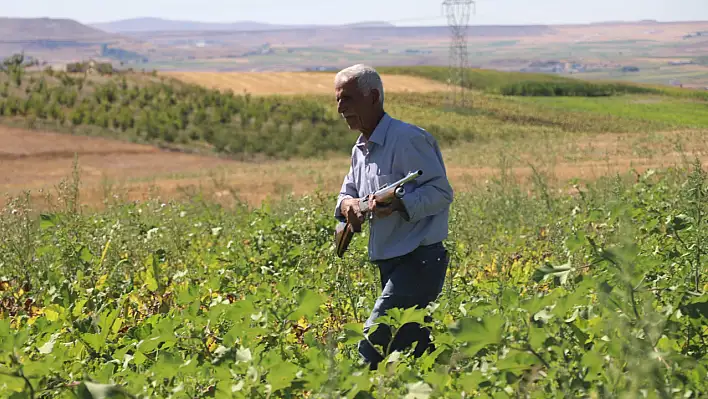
(381, 210)
(350, 210)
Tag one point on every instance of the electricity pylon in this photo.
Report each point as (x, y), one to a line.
(458, 15)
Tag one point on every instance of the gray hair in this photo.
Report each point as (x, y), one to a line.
(367, 79)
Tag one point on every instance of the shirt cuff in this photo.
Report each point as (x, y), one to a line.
(409, 202)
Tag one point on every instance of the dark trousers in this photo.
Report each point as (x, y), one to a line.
(411, 280)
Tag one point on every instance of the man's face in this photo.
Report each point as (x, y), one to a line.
(355, 107)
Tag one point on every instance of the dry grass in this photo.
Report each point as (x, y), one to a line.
(289, 83)
(40, 160)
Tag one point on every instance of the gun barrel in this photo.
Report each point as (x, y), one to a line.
(411, 176)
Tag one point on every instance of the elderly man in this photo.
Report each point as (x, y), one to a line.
(406, 235)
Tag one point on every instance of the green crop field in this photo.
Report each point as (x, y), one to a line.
(591, 288)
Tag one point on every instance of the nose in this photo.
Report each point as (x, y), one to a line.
(340, 107)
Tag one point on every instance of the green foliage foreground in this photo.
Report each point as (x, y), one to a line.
(597, 294)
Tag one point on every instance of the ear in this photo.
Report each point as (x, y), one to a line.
(375, 96)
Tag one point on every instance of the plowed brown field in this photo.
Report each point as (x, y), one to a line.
(108, 169)
(267, 83)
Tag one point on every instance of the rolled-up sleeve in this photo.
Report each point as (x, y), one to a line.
(348, 190)
(431, 193)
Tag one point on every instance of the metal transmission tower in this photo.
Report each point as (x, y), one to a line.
(458, 15)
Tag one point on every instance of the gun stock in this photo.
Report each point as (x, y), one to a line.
(345, 230)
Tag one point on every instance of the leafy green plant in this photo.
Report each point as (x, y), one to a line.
(597, 294)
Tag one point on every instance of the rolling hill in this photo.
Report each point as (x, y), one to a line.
(59, 41)
(22, 29)
(160, 25)
(667, 53)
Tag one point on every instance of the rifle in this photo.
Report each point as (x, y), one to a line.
(345, 230)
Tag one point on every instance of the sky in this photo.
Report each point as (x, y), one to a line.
(399, 12)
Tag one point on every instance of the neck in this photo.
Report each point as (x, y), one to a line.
(368, 129)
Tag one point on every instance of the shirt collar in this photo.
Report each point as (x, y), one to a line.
(379, 134)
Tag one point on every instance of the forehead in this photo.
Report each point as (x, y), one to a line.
(348, 88)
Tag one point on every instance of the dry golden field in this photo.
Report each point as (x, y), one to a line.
(288, 83)
(39, 161)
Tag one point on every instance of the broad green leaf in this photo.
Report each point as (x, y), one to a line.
(547, 271)
(397, 317)
(477, 334)
(85, 254)
(308, 302)
(148, 345)
(537, 336)
(52, 312)
(6, 336)
(95, 341)
(12, 384)
(470, 381)
(575, 243)
(78, 307)
(117, 324)
(139, 358)
(47, 221)
(580, 335)
(535, 304)
(594, 363)
(151, 274)
(428, 359)
(352, 333)
(107, 318)
(437, 379)
(517, 361)
(106, 372)
(190, 366)
(510, 298)
(186, 294)
(412, 315)
(281, 375)
(166, 365)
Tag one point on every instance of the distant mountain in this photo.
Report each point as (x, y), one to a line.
(23, 29)
(166, 25)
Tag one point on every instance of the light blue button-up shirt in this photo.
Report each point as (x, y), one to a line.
(395, 149)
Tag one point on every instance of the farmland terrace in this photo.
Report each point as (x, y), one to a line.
(177, 130)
